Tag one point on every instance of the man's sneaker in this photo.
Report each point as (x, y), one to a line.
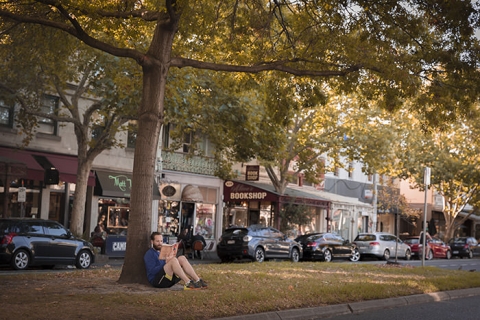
(202, 284)
(192, 286)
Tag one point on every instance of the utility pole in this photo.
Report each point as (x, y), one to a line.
(426, 180)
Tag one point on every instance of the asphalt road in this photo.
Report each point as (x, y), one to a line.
(465, 308)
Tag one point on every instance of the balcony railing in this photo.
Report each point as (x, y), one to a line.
(193, 164)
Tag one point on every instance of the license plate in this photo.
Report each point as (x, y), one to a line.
(455, 252)
(231, 242)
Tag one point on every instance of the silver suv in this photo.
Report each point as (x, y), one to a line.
(382, 245)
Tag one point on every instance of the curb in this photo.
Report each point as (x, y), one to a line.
(357, 307)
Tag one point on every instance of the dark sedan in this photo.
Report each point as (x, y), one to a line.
(257, 243)
(327, 246)
(464, 247)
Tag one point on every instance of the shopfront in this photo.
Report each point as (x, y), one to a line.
(248, 203)
(37, 184)
(113, 193)
(189, 207)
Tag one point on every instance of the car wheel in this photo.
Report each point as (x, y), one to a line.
(327, 255)
(386, 255)
(84, 260)
(20, 260)
(355, 255)
(429, 255)
(408, 255)
(448, 255)
(295, 255)
(259, 255)
(470, 254)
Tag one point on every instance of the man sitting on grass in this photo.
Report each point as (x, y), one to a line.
(166, 273)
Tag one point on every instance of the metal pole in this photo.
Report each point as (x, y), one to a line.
(426, 179)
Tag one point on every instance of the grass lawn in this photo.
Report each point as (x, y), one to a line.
(234, 289)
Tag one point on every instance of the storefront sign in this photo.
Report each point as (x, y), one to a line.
(115, 246)
(170, 191)
(238, 191)
(22, 194)
(252, 173)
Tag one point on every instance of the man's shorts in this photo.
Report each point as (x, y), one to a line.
(163, 280)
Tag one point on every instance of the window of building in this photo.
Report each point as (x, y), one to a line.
(49, 105)
(132, 133)
(6, 114)
(187, 141)
(336, 171)
(96, 132)
(166, 136)
(350, 170)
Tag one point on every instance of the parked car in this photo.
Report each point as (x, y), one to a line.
(436, 248)
(382, 246)
(327, 246)
(464, 247)
(26, 242)
(257, 243)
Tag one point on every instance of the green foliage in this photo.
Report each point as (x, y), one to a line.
(294, 214)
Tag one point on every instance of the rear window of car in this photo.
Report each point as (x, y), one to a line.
(458, 240)
(366, 237)
(239, 232)
(412, 241)
(7, 227)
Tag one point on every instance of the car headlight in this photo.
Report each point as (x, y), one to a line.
(247, 238)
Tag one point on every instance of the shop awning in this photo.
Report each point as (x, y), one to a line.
(250, 191)
(118, 185)
(66, 165)
(192, 193)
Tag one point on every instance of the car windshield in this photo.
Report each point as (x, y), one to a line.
(365, 237)
(412, 241)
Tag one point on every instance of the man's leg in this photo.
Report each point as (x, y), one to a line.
(187, 268)
(174, 267)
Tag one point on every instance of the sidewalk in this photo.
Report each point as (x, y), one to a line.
(357, 307)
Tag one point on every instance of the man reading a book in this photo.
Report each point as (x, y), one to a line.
(168, 272)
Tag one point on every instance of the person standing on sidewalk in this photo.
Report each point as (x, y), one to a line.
(168, 272)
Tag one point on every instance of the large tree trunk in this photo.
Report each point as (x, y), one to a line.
(150, 119)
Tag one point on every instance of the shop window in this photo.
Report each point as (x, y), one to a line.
(168, 218)
(6, 114)
(49, 105)
(117, 220)
(205, 220)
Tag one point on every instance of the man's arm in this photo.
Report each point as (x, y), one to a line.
(152, 264)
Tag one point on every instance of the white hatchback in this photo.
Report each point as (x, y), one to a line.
(382, 245)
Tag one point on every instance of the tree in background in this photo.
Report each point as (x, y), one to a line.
(83, 74)
(384, 51)
(451, 151)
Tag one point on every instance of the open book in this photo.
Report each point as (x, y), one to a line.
(166, 249)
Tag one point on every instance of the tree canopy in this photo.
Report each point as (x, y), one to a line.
(385, 51)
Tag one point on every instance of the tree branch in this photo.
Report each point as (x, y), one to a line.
(278, 66)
